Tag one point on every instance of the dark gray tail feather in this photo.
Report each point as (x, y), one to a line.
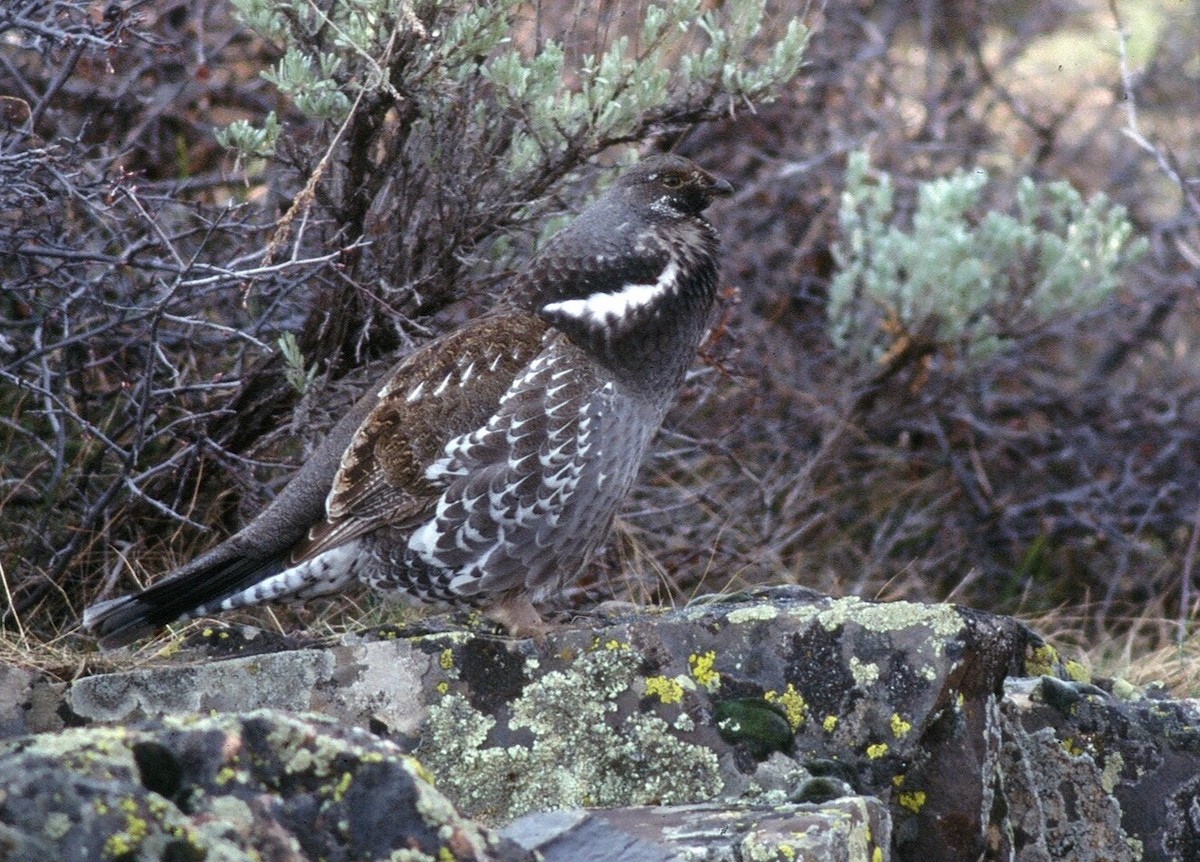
(121, 621)
(255, 553)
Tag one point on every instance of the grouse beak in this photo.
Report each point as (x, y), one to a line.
(720, 188)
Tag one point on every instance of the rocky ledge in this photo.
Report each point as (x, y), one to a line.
(777, 725)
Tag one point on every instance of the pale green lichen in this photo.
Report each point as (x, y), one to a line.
(769, 847)
(583, 752)
(1114, 767)
(753, 613)
(409, 855)
(146, 825)
(230, 810)
(80, 749)
(840, 830)
(942, 620)
(437, 812)
(865, 673)
(860, 838)
(56, 826)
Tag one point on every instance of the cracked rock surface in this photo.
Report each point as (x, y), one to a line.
(803, 727)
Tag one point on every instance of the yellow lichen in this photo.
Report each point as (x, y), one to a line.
(170, 648)
(793, 703)
(829, 723)
(339, 789)
(1041, 661)
(135, 832)
(1123, 689)
(702, 670)
(877, 750)
(900, 727)
(446, 659)
(913, 800)
(1076, 671)
(417, 768)
(666, 690)
(442, 687)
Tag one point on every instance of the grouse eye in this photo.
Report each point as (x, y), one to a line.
(672, 181)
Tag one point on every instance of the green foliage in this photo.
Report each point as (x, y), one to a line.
(298, 375)
(554, 99)
(619, 87)
(311, 83)
(968, 281)
(251, 140)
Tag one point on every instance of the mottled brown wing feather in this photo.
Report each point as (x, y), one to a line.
(532, 493)
(442, 391)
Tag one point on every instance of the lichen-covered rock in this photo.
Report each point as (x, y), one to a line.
(1139, 756)
(668, 709)
(637, 713)
(30, 702)
(851, 829)
(768, 699)
(252, 787)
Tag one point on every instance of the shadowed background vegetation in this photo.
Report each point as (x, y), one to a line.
(202, 264)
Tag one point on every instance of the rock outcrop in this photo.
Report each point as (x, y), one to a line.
(231, 787)
(778, 725)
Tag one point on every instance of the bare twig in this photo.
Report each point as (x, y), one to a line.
(1132, 128)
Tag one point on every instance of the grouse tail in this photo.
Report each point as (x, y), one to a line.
(256, 553)
(120, 621)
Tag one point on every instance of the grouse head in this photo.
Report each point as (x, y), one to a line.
(632, 279)
(666, 188)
